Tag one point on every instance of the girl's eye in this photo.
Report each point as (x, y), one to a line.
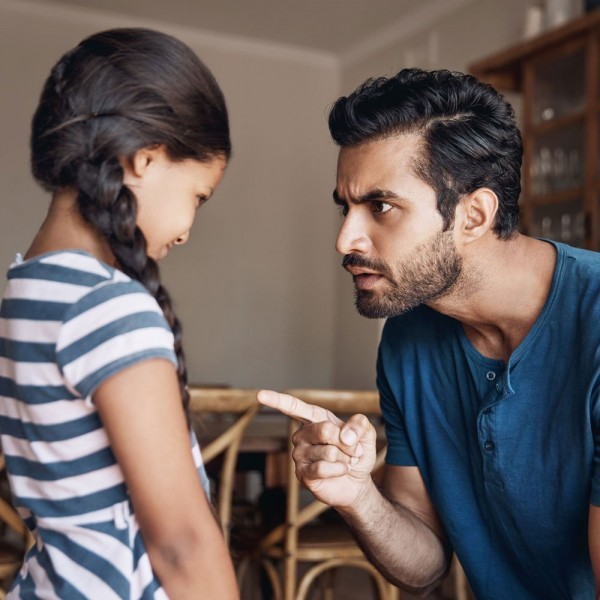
(380, 207)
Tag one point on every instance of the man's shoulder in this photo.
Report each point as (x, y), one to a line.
(580, 275)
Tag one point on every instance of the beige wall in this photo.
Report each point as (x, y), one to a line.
(255, 285)
(259, 288)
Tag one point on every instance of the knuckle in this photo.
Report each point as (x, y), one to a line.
(296, 437)
(296, 454)
(328, 430)
(311, 471)
(331, 453)
(320, 470)
(361, 421)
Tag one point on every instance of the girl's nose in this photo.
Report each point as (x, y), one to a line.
(182, 239)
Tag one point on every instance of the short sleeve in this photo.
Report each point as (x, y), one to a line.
(113, 326)
(399, 452)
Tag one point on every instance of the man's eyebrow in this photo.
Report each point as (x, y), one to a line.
(370, 196)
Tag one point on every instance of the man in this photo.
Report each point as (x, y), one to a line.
(488, 366)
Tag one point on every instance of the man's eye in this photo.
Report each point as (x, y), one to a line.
(380, 207)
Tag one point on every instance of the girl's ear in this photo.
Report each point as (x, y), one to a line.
(136, 166)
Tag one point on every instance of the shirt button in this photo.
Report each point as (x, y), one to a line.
(490, 375)
(488, 445)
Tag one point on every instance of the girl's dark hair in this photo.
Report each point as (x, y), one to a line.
(470, 138)
(115, 93)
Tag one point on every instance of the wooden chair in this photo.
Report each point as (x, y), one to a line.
(241, 404)
(12, 551)
(325, 547)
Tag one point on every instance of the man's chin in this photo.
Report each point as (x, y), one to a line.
(371, 307)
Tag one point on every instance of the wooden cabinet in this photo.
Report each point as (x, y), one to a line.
(558, 76)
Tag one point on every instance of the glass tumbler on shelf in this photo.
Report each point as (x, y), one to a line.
(559, 169)
(545, 172)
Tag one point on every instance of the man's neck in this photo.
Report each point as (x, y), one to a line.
(503, 290)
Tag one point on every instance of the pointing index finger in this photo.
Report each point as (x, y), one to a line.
(296, 408)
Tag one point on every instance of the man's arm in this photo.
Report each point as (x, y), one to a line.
(400, 532)
(399, 529)
(594, 542)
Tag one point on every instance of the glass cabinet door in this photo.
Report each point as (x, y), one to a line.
(559, 87)
(556, 161)
(563, 222)
(556, 147)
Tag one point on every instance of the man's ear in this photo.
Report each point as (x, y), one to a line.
(136, 166)
(476, 214)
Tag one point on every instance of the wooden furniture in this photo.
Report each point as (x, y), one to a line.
(11, 552)
(326, 546)
(557, 75)
(240, 406)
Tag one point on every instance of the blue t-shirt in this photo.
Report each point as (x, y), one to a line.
(510, 456)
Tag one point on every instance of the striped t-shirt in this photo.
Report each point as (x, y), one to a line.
(68, 322)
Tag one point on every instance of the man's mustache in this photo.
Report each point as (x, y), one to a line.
(355, 260)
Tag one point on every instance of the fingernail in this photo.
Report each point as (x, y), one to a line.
(349, 437)
(353, 460)
(359, 451)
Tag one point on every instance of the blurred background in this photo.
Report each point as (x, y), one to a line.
(259, 288)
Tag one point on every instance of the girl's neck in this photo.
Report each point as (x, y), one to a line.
(64, 228)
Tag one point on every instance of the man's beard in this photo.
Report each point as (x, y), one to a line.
(428, 274)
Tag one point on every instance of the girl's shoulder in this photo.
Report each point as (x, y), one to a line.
(64, 266)
(64, 284)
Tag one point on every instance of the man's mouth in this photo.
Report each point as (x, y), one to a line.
(365, 275)
(363, 278)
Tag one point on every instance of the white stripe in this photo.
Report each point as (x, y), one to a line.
(29, 330)
(117, 348)
(68, 487)
(26, 373)
(78, 262)
(44, 290)
(142, 576)
(51, 413)
(44, 588)
(43, 452)
(106, 546)
(82, 579)
(103, 314)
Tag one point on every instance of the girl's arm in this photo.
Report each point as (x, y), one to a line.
(141, 410)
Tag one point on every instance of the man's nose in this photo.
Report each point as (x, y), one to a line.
(353, 237)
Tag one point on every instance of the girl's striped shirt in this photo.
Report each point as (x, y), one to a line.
(68, 322)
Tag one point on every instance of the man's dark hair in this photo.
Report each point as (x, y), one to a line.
(470, 138)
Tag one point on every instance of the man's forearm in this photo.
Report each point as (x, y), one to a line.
(402, 547)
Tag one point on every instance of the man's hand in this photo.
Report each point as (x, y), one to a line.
(333, 459)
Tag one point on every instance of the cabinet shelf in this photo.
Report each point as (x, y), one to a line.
(557, 75)
(562, 197)
(558, 123)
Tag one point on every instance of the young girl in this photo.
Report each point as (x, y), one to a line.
(131, 136)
